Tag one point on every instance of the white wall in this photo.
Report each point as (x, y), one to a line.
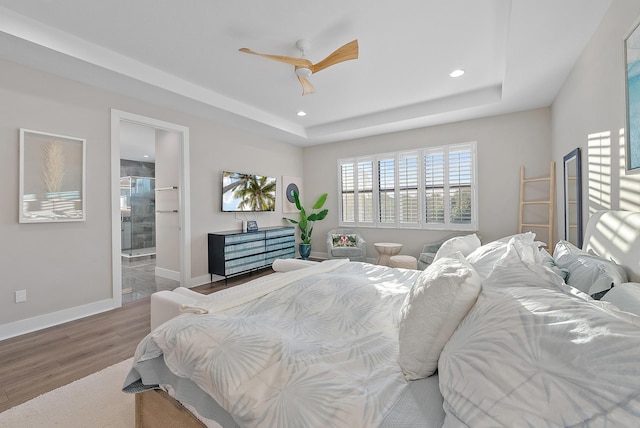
(504, 144)
(66, 268)
(589, 112)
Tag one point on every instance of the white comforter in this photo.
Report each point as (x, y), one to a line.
(319, 351)
(530, 355)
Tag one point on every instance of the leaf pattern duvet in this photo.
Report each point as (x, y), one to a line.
(319, 352)
(531, 355)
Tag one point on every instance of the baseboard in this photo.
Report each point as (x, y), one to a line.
(319, 255)
(166, 273)
(28, 325)
(204, 279)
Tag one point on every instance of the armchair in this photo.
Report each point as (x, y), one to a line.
(430, 250)
(346, 243)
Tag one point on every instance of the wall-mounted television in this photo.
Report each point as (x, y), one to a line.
(248, 192)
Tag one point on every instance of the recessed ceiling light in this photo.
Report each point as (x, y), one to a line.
(456, 73)
(301, 113)
(145, 156)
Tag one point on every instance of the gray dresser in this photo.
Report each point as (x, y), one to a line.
(233, 252)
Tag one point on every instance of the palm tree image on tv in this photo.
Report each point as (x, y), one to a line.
(248, 192)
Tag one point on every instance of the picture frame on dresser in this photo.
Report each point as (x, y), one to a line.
(52, 178)
(632, 98)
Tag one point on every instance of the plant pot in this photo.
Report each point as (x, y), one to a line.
(305, 250)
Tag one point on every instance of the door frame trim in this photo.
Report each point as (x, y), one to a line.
(184, 210)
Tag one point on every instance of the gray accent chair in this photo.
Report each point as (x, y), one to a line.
(429, 251)
(356, 254)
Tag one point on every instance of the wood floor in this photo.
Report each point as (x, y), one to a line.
(42, 361)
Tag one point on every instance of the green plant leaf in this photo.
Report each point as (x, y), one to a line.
(296, 199)
(291, 220)
(322, 214)
(320, 202)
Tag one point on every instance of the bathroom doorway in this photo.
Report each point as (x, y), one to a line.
(150, 209)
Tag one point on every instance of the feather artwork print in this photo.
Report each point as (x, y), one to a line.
(54, 171)
(54, 167)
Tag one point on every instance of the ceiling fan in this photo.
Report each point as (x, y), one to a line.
(305, 68)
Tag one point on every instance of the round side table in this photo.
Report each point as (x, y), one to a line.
(385, 251)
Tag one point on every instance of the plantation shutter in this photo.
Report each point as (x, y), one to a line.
(408, 198)
(434, 169)
(460, 181)
(430, 188)
(347, 192)
(387, 190)
(365, 192)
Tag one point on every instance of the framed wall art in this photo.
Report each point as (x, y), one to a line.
(632, 85)
(52, 178)
(290, 185)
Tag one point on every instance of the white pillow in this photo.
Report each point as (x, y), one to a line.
(588, 273)
(437, 302)
(565, 248)
(548, 261)
(465, 244)
(625, 296)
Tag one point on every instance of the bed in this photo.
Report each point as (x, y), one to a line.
(491, 336)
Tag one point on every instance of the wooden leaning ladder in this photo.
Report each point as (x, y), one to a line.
(551, 202)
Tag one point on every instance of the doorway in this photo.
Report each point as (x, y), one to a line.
(170, 204)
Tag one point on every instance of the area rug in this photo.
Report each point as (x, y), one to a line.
(94, 401)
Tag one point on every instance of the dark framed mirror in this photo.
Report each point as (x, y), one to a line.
(573, 198)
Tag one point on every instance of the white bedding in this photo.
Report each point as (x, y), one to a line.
(320, 348)
(528, 354)
(325, 357)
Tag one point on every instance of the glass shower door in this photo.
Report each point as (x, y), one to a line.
(138, 217)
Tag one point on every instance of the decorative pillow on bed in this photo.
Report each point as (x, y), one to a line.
(344, 239)
(588, 272)
(465, 244)
(625, 296)
(549, 261)
(437, 302)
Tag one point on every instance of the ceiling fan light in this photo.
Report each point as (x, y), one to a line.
(303, 72)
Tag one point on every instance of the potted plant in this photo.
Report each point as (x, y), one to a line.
(306, 221)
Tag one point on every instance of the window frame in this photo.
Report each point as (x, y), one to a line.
(421, 223)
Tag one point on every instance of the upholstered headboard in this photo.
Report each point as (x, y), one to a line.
(615, 235)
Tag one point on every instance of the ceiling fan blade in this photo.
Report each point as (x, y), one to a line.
(344, 53)
(307, 87)
(300, 62)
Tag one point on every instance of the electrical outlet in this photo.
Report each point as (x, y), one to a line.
(21, 296)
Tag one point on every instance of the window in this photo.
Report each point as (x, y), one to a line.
(356, 189)
(434, 188)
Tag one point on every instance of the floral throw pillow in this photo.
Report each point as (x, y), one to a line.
(344, 239)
